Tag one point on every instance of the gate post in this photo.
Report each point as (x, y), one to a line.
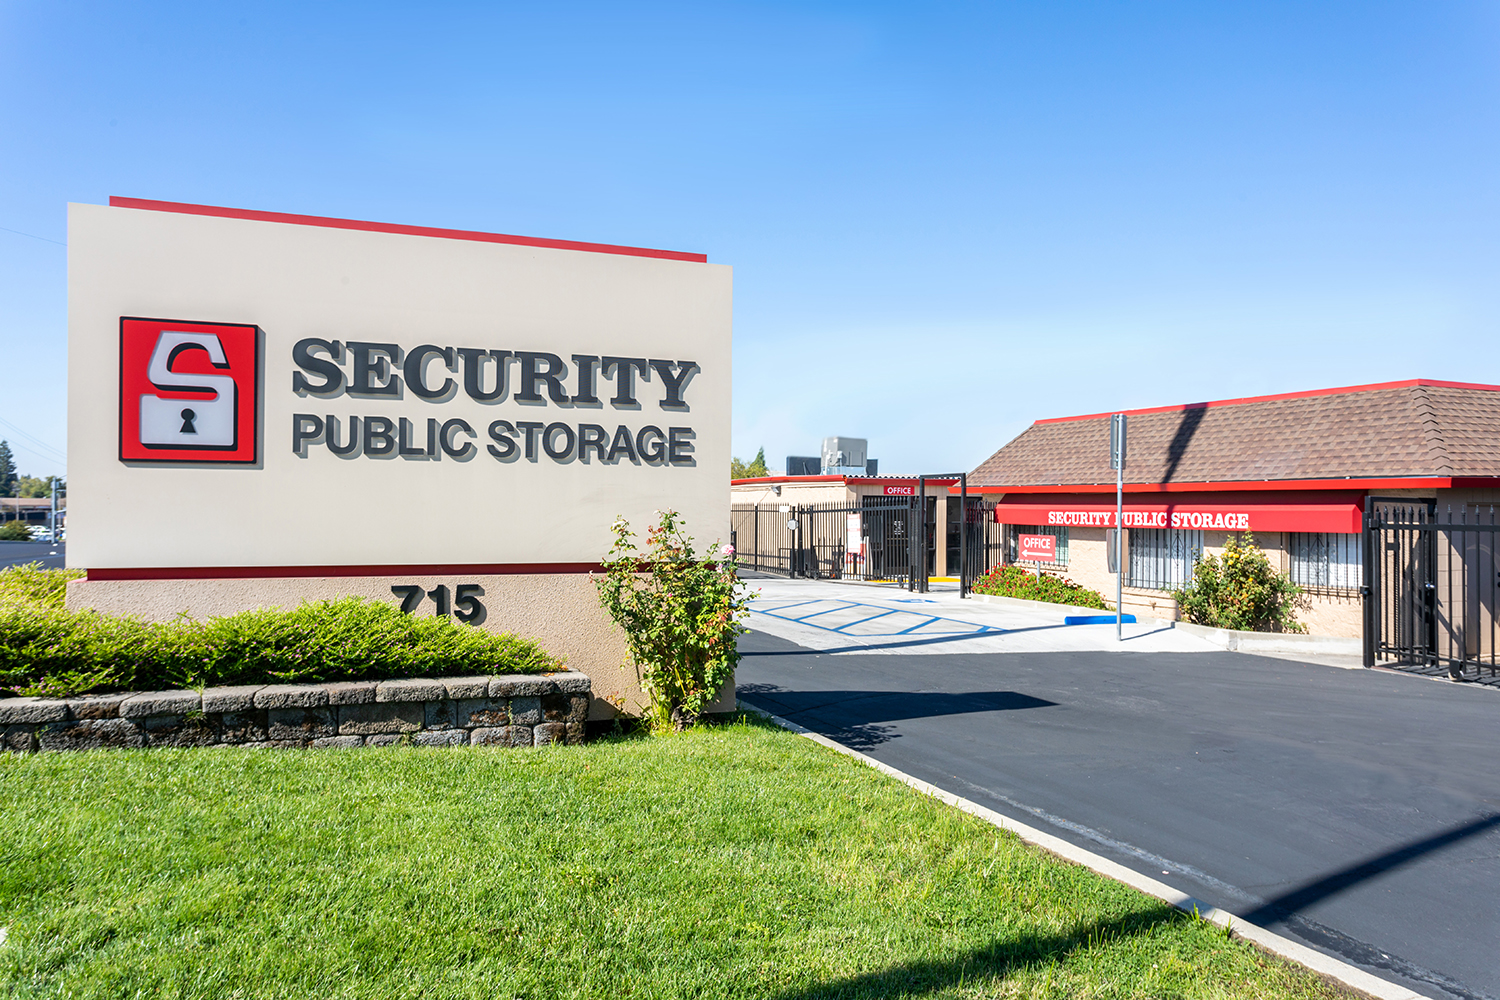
(922, 524)
(963, 535)
(1369, 592)
(799, 560)
(911, 545)
(757, 536)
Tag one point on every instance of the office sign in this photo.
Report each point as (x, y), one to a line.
(1037, 548)
(262, 392)
(900, 491)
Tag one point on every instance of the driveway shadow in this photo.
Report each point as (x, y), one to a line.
(858, 719)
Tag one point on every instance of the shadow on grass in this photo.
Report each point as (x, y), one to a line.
(996, 960)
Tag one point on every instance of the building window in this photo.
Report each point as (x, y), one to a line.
(1013, 533)
(1162, 558)
(1326, 561)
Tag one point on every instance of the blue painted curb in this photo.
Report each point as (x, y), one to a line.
(1096, 620)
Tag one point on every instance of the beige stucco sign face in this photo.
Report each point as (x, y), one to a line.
(253, 393)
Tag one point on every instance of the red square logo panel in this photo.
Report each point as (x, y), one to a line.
(189, 392)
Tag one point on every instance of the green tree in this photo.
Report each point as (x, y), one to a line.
(7, 471)
(753, 469)
(31, 486)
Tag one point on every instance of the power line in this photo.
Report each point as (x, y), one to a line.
(42, 238)
(41, 448)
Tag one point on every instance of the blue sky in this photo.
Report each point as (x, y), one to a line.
(946, 220)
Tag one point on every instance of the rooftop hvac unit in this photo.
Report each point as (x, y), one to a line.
(844, 456)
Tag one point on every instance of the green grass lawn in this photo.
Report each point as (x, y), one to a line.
(739, 861)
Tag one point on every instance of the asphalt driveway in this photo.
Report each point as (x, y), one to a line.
(47, 553)
(1357, 811)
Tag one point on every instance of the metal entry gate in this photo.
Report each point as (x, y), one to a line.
(879, 539)
(831, 541)
(1432, 586)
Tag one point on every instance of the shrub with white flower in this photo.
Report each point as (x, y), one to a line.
(680, 612)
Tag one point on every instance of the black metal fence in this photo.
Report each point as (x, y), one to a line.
(1432, 587)
(879, 539)
(830, 541)
(987, 546)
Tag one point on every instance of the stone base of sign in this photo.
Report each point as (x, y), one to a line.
(508, 711)
(559, 610)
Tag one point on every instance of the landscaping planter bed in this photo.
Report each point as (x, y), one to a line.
(511, 710)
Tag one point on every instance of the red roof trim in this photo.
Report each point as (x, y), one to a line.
(1372, 387)
(786, 479)
(267, 572)
(1390, 483)
(846, 480)
(388, 227)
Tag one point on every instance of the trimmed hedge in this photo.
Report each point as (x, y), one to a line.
(46, 650)
(1013, 581)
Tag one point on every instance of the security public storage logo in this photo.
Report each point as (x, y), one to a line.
(189, 392)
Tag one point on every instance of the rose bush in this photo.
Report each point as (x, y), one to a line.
(1013, 581)
(680, 613)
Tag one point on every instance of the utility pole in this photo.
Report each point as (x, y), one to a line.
(1117, 462)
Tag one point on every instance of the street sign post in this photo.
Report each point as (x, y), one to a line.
(1117, 462)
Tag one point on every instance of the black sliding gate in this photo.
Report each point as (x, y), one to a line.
(1432, 587)
(878, 539)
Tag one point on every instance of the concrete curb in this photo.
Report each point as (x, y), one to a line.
(1021, 604)
(1340, 972)
(1274, 642)
(1240, 642)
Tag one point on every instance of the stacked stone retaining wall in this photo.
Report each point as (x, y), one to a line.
(514, 710)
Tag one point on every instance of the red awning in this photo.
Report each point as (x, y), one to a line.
(1340, 518)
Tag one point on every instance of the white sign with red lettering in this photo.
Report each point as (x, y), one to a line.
(1226, 520)
(854, 550)
(1038, 548)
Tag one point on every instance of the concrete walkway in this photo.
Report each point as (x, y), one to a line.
(1357, 811)
(871, 618)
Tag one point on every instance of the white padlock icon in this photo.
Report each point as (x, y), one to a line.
(189, 423)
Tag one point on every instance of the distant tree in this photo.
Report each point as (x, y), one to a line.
(32, 487)
(7, 471)
(753, 469)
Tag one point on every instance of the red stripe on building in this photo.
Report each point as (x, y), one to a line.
(1240, 485)
(217, 212)
(283, 572)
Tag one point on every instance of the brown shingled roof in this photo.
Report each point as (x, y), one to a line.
(1397, 429)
